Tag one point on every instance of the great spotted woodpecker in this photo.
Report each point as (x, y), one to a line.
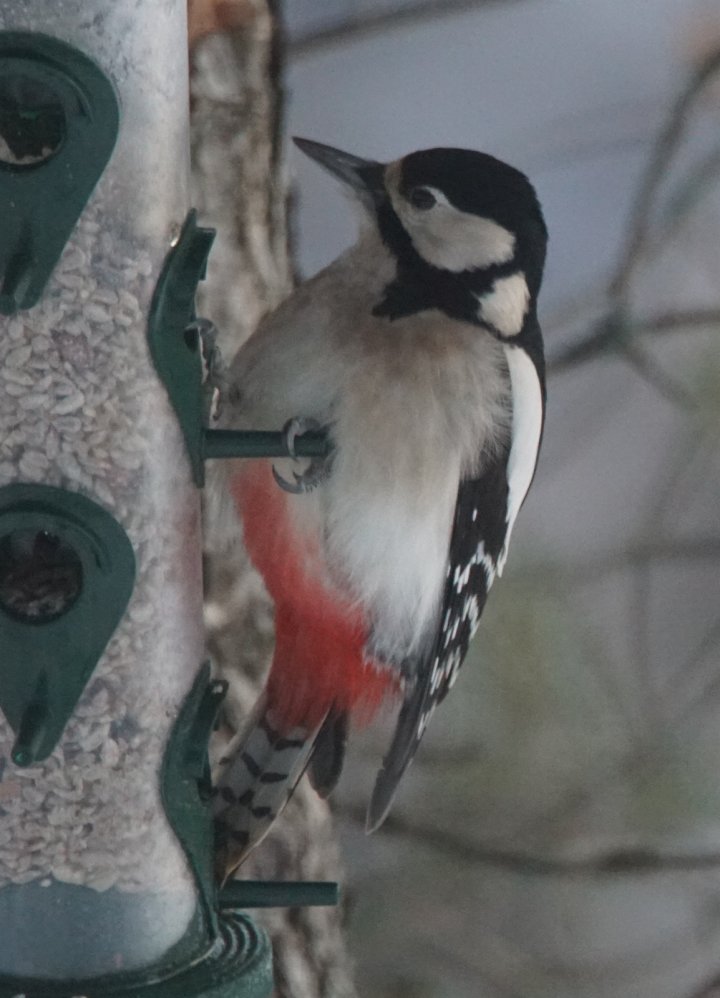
(419, 352)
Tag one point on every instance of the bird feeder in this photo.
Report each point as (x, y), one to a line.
(105, 706)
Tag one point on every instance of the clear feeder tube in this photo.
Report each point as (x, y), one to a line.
(92, 879)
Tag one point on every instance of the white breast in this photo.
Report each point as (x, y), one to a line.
(425, 398)
(390, 549)
(413, 405)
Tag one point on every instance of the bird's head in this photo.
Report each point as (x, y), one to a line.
(457, 221)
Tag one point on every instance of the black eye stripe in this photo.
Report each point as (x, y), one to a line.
(422, 198)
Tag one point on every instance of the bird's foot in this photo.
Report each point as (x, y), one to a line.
(316, 472)
(213, 368)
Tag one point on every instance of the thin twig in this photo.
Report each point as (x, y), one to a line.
(651, 371)
(686, 195)
(614, 331)
(651, 552)
(603, 338)
(688, 701)
(664, 499)
(709, 990)
(362, 25)
(608, 862)
(665, 147)
(673, 322)
(600, 340)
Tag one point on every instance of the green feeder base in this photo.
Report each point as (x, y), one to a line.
(238, 965)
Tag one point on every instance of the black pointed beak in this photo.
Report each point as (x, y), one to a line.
(364, 176)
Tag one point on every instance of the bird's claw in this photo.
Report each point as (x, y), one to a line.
(309, 480)
(213, 368)
(318, 469)
(295, 428)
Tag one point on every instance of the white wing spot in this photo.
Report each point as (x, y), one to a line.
(435, 675)
(486, 561)
(423, 723)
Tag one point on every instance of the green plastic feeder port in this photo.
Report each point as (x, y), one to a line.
(58, 125)
(175, 349)
(66, 574)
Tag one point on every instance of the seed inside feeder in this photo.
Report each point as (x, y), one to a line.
(40, 576)
(32, 120)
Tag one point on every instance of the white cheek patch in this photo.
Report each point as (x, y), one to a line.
(505, 305)
(452, 240)
(446, 237)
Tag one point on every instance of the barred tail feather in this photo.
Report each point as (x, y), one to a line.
(256, 778)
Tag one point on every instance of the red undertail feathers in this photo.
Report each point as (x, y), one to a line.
(319, 661)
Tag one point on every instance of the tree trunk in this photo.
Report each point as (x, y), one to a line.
(240, 189)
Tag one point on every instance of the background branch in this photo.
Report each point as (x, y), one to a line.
(653, 551)
(641, 213)
(609, 335)
(615, 862)
(367, 24)
(618, 330)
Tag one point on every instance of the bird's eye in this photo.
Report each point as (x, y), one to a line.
(422, 198)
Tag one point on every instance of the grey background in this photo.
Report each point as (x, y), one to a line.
(557, 834)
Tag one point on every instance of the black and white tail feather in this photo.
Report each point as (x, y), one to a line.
(256, 777)
(258, 773)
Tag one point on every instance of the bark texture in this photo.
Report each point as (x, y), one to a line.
(240, 189)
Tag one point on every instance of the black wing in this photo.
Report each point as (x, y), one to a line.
(478, 537)
(484, 517)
